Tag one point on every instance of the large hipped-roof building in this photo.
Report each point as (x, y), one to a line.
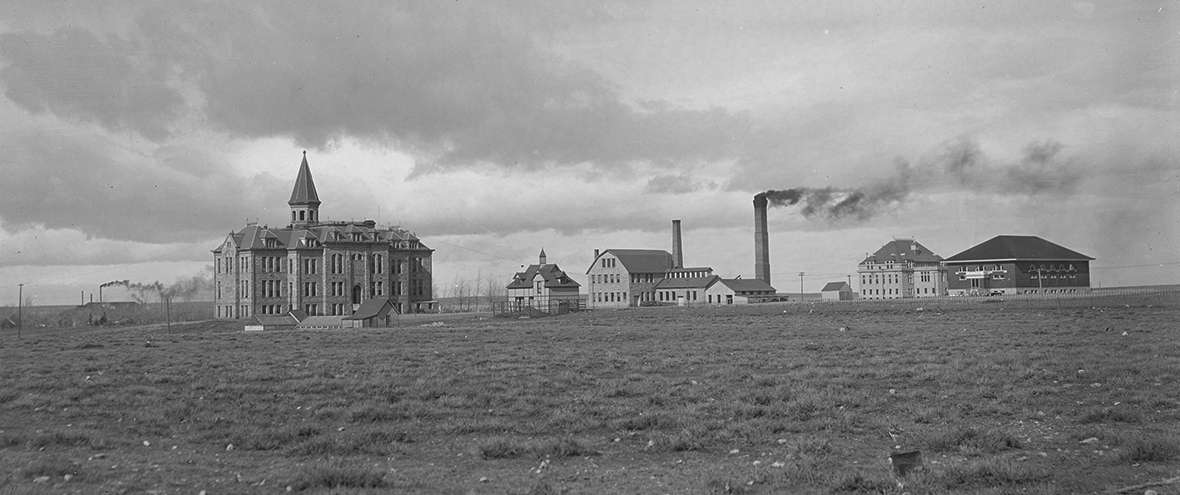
(1018, 264)
(902, 268)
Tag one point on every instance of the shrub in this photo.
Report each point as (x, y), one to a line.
(966, 438)
(1150, 449)
(989, 473)
(338, 475)
(1112, 415)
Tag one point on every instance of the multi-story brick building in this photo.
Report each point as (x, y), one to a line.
(319, 267)
(1018, 264)
(902, 268)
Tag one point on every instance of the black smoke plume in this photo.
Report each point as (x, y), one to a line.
(197, 287)
(961, 166)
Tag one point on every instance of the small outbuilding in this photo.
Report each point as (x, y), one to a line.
(738, 291)
(372, 313)
(837, 291)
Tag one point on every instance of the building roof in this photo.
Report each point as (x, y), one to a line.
(372, 308)
(640, 260)
(304, 191)
(686, 283)
(900, 250)
(276, 320)
(1017, 247)
(553, 276)
(254, 236)
(746, 284)
(836, 287)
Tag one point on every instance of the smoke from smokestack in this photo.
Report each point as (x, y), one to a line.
(185, 289)
(961, 166)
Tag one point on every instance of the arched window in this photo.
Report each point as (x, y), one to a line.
(356, 294)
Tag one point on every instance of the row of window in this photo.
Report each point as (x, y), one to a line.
(610, 296)
(606, 278)
(274, 264)
(610, 262)
(888, 278)
(670, 295)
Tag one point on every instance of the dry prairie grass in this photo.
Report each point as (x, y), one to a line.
(764, 399)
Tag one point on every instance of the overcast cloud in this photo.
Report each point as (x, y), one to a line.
(153, 128)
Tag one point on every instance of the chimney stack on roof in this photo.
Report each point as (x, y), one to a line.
(541, 258)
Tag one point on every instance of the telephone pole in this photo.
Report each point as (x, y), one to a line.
(801, 274)
(20, 301)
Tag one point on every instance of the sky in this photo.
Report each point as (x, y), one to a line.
(135, 135)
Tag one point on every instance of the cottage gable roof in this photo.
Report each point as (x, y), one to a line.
(1009, 247)
(554, 277)
(641, 260)
(836, 287)
(746, 284)
(372, 308)
(900, 250)
(304, 191)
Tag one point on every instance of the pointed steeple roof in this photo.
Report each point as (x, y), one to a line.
(304, 191)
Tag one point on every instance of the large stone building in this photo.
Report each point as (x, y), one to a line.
(319, 267)
(902, 268)
(1018, 264)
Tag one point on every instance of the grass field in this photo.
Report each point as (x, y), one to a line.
(1078, 397)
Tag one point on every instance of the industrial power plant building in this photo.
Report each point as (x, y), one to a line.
(620, 278)
(902, 269)
(319, 267)
(1018, 264)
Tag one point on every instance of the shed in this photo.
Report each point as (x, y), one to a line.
(837, 291)
(371, 313)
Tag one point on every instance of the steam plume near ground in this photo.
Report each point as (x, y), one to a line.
(197, 287)
(960, 166)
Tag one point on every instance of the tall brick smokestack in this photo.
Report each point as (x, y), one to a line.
(761, 240)
(677, 246)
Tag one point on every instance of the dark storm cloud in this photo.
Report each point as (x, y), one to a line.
(77, 75)
(62, 181)
(460, 83)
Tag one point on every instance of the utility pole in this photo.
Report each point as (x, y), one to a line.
(801, 274)
(20, 301)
